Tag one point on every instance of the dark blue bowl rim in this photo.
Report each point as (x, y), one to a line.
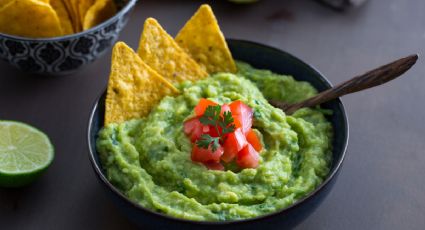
(331, 175)
(123, 11)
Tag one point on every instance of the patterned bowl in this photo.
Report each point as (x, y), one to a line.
(66, 54)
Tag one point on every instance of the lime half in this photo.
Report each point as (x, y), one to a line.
(25, 153)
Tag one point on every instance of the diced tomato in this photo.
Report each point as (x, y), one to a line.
(206, 155)
(224, 108)
(190, 125)
(253, 139)
(248, 157)
(202, 106)
(205, 128)
(194, 128)
(213, 132)
(234, 143)
(214, 165)
(242, 144)
(242, 115)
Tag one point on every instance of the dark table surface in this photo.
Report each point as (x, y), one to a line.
(382, 183)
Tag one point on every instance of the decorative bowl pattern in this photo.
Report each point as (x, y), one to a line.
(62, 55)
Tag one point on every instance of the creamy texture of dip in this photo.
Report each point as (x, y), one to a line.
(149, 159)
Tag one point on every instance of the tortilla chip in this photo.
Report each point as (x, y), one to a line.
(84, 7)
(64, 18)
(29, 18)
(100, 11)
(134, 88)
(202, 39)
(4, 2)
(76, 24)
(159, 50)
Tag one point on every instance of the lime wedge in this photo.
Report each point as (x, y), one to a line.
(25, 153)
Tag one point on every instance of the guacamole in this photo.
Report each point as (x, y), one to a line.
(149, 159)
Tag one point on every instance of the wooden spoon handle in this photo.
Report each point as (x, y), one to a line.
(370, 79)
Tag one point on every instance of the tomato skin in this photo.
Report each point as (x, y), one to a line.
(213, 132)
(214, 165)
(225, 108)
(190, 125)
(206, 128)
(194, 129)
(202, 106)
(206, 155)
(242, 115)
(234, 143)
(248, 157)
(253, 139)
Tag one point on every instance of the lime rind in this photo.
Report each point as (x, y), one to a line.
(25, 153)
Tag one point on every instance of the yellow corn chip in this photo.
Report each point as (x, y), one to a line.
(63, 16)
(76, 24)
(84, 7)
(100, 11)
(202, 39)
(29, 18)
(134, 88)
(4, 2)
(159, 50)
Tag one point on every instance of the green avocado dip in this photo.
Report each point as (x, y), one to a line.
(149, 159)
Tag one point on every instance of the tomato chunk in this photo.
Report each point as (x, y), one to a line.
(253, 139)
(214, 165)
(242, 115)
(241, 145)
(234, 143)
(205, 128)
(194, 129)
(202, 106)
(224, 108)
(248, 157)
(212, 131)
(206, 155)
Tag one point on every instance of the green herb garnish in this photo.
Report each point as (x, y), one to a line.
(212, 117)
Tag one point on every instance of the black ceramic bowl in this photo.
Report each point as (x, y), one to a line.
(66, 54)
(263, 57)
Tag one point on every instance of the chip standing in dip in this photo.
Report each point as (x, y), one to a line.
(212, 148)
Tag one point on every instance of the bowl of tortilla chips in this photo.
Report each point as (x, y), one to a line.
(57, 37)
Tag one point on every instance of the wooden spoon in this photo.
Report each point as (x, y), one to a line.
(370, 79)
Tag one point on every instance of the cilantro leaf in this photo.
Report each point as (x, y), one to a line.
(226, 124)
(206, 140)
(211, 115)
(213, 118)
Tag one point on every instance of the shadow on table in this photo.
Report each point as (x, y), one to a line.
(10, 197)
